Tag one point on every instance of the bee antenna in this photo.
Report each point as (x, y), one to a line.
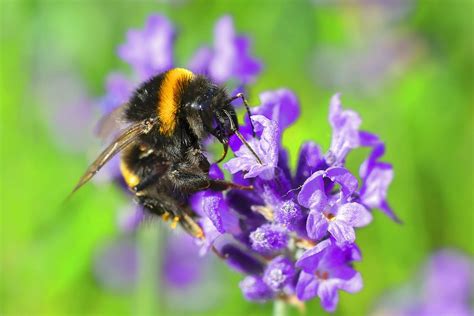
(242, 139)
(247, 107)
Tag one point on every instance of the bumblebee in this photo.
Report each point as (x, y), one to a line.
(162, 156)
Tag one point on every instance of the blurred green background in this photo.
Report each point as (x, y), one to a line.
(407, 67)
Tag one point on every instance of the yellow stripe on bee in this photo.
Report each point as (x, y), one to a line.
(131, 179)
(168, 101)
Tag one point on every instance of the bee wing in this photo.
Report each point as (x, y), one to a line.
(128, 136)
(112, 122)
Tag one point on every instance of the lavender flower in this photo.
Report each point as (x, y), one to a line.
(335, 213)
(149, 51)
(325, 270)
(444, 287)
(279, 273)
(296, 232)
(254, 289)
(268, 238)
(231, 55)
(266, 148)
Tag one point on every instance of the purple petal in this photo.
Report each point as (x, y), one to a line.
(316, 225)
(150, 51)
(345, 128)
(336, 256)
(272, 191)
(196, 203)
(378, 149)
(215, 172)
(281, 106)
(116, 265)
(130, 218)
(214, 207)
(449, 277)
(310, 160)
(279, 273)
(352, 252)
(353, 285)
(231, 58)
(283, 164)
(370, 140)
(238, 258)
(374, 188)
(307, 286)
(354, 214)
(310, 259)
(269, 238)
(312, 194)
(210, 233)
(342, 176)
(118, 91)
(199, 63)
(266, 148)
(242, 201)
(329, 296)
(342, 232)
(288, 214)
(254, 289)
(182, 266)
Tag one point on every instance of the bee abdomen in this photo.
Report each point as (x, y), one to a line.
(130, 178)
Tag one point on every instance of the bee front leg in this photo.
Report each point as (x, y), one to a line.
(194, 180)
(222, 185)
(170, 209)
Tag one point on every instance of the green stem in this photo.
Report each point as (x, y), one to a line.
(279, 308)
(149, 261)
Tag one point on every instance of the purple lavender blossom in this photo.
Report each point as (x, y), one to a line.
(211, 204)
(116, 265)
(345, 136)
(268, 238)
(119, 89)
(334, 213)
(254, 289)
(280, 106)
(232, 59)
(266, 148)
(67, 108)
(288, 214)
(150, 51)
(376, 176)
(302, 227)
(325, 270)
(229, 58)
(444, 287)
(279, 273)
(130, 217)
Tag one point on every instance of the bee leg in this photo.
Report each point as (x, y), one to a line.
(145, 182)
(152, 205)
(188, 180)
(222, 185)
(192, 180)
(170, 209)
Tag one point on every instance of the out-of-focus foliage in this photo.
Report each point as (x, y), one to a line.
(417, 95)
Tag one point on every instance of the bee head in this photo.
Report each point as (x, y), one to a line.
(207, 106)
(210, 112)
